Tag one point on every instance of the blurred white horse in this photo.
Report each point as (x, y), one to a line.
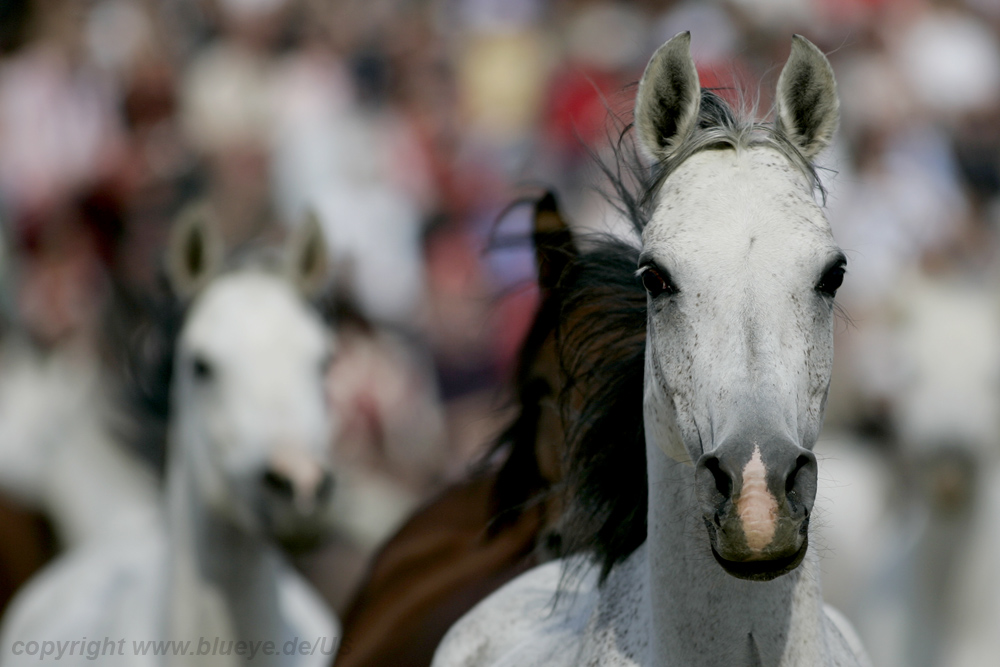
(913, 553)
(248, 452)
(58, 452)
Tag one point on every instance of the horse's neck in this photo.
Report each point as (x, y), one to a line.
(701, 615)
(223, 582)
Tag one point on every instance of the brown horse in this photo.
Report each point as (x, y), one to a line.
(28, 544)
(479, 534)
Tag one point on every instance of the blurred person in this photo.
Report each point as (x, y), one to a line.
(502, 66)
(159, 170)
(461, 341)
(602, 46)
(228, 110)
(59, 130)
(948, 57)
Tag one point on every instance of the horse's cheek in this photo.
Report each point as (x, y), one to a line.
(667, 394)
(814, 378)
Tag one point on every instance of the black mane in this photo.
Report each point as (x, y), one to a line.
(602, 344)
(144, 328)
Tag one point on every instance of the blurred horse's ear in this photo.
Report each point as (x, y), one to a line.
(553, 241)
(666, 106)
(806, 102)
(306, 259)
(195, 250)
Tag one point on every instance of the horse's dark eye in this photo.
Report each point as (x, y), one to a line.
(831, 281)
(201, 369)
(656, 283)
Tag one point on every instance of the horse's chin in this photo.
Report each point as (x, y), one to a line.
(302, 541)
(298, 534)
(762, 570)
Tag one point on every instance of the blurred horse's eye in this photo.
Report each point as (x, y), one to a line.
(201, 369)
(656, 283)
(831, 281)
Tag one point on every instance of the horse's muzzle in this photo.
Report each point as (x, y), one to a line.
(756, 496)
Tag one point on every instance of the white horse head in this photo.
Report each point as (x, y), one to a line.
(249, 398)
(248, 463)
(741, 269)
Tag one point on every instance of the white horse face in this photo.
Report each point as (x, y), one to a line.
(250, 404)
(740, 268)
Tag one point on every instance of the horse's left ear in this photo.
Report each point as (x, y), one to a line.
(807, 106)
(195, 250)
(306, 262)
(666, 106)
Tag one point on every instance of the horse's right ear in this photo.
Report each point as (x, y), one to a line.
(666, 106)
(306, 261)
(807, 106)
(195, 251)
(553, 241)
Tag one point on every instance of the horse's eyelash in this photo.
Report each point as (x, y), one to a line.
(650, 265)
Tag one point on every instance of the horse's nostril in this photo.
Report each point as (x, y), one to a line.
(325, 488)
(723, 483)
(279, 484)
(801, 462)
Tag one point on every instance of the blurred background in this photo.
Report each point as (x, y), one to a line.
(410, 126)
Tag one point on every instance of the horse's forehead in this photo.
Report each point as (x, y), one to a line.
(747, 202)
(252, 312)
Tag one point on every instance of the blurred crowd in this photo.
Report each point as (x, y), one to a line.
(410, 126)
